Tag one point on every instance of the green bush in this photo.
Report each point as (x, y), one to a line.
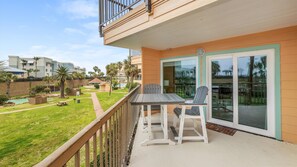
(3, 99)
(38, 88)
(96, 86)
(115, 84)
(133, 85)
(47, 90)
(68, 91)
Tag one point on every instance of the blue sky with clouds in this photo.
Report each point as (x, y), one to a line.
(65, 30)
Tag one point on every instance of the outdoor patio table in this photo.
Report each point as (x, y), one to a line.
(157, 99)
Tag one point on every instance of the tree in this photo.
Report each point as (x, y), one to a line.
(35, 62)
(8, 78)
(127, 68)
(120, 66)
(111, 71)
(48, 80)
(62, 74)
(251, 69)
(215, 68)
(29, 71)
(24, 62)
(2, 63)
(133, 73)
(97, 72)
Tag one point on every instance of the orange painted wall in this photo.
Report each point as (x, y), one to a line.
(286, 37)
(150, 66)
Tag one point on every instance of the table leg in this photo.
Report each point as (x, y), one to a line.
(165, 121)
(149, 121)
(165, 139)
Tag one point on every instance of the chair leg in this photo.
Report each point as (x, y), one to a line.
(203, 125)
(142, 116)
(181, 129)
(174, 121)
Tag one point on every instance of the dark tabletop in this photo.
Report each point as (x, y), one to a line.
(151, 99)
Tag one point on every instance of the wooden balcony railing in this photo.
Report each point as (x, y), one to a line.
(106, 141)
(111, 10)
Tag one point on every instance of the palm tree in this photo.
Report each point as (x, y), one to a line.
(29, 71)
(62, 74)
(35, 62)
(48, 80)
(133, 73)
(215, 68)
(24, 62)
(8, 78)
(127, 68)
(120, 66)
(111, 71)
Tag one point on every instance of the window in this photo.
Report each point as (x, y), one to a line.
(179, 76)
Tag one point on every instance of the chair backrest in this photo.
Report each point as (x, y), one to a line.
(152, 89)
(200, 97)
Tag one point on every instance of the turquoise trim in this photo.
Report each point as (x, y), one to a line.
(276, 47)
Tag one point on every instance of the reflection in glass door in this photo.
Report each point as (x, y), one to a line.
(242, 92)
(252, 91)
(222, 89)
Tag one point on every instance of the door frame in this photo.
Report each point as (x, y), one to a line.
(270, 53)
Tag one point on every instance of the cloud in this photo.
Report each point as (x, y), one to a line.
(80, 9)
(38, 47)
(76, 46)
(91, 25)
(74, 31)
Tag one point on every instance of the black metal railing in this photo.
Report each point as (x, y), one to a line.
(111, 10)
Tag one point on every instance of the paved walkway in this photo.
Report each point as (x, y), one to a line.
(97, 107)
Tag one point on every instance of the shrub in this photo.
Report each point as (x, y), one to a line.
(47, 90)
(38, 88)
(96, 86)
(68, 91)
(133, 85)
(115, 84)
(3, 99)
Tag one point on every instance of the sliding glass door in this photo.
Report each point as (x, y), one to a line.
(179, 76)
(242, 91)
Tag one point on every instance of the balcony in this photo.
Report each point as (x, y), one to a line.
(107, 141)
(176, 23)
(114, 139)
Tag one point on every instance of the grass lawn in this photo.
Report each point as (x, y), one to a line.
(107, 101)
(28, 137)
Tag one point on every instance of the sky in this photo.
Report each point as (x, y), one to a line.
(64, 30)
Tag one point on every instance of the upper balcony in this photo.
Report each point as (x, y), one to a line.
(165, 24)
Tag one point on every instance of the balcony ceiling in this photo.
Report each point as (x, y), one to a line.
(224, 19)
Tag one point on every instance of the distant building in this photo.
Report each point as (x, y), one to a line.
(137, 61)
(15, 71)
(45, 66)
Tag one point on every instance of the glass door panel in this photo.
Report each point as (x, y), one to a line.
(222, 89)
(180, 77)
(252, 91)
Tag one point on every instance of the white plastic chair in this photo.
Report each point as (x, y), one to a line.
(194, 111)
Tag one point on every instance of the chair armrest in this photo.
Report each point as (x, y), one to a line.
(192, 104)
